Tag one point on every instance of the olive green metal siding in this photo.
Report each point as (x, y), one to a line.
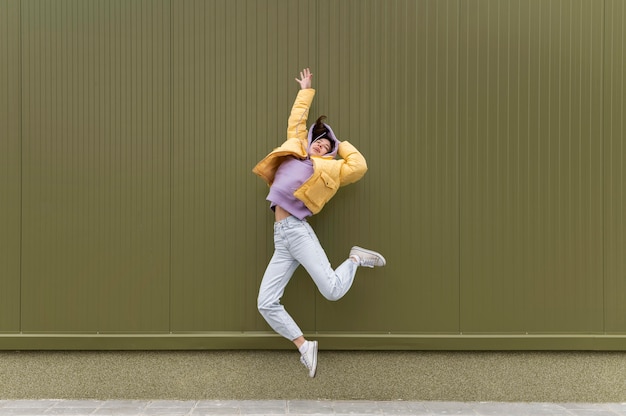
(614, 133)
(10, 168)
(213, 235)
(96, 166)
(531, 167)
(493, 132)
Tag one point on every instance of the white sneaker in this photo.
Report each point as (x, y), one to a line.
(367, 258)
(309, 358)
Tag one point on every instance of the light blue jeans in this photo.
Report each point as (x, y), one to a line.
(295, 243)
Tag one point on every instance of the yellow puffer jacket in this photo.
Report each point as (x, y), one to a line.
(328, 173)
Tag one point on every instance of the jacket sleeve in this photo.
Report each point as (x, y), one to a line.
(354, 166)
(296, 126)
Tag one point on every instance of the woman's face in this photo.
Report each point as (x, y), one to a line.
(320, 147)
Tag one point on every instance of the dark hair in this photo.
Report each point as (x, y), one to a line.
(321, 132)
(319, 129)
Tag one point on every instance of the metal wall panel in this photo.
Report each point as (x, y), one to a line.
(96, 194)
(10, 166)
(209, 238)
(614, 167)
(531, 166)
(492, 130)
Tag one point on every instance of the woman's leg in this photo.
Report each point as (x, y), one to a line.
(307, 250)
(278, 273)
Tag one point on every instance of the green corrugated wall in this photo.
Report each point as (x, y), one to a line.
(10, 172)
(493, 130)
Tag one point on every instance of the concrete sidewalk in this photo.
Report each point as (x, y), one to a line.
(300, 407)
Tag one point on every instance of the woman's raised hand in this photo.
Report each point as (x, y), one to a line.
(305, 79)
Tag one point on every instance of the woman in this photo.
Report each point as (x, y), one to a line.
(303, 176)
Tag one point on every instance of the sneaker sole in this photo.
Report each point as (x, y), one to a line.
(314, 364)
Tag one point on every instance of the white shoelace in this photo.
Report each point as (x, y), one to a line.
(305, 362)
(370, 262)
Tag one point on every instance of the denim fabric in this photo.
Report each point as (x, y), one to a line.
(295, 243)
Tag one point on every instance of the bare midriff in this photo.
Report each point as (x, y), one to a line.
(280, 213)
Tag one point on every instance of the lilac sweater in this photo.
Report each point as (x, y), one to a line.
(290, 175)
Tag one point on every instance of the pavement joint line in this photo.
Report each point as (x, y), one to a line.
(46, 407)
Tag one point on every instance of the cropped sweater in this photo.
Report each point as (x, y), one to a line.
(290, 175)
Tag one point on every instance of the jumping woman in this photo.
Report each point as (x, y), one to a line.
(303, 175)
